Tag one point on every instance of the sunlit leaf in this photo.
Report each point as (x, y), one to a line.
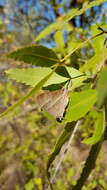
(77, 77)
(31, 76)
(24, 98)
(59, 39)
(80, 103)
(47, 31)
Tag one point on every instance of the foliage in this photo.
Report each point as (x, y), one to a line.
(52, 69)
(66, 18)
(80, 102)
(36, 55)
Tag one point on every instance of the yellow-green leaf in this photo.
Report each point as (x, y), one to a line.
(80, 103)
(24, 98)
(32, 76)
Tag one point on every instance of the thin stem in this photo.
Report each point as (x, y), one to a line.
(79, 76)
(80, 46)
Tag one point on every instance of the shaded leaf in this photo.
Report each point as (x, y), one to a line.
(36, 54)
(61, 70)
(53, 87)
(80, 103)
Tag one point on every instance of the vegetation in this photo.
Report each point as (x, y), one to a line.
(38, 149)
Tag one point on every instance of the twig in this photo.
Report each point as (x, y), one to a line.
(80, 46)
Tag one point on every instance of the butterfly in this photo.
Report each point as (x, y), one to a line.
(54, 102)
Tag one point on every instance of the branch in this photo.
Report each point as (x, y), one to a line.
(82, 44)
(89, 165)
(92, 157)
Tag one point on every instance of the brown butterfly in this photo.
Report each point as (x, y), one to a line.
(54, 102)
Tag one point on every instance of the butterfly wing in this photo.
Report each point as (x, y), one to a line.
(58, 108)
(54, 102)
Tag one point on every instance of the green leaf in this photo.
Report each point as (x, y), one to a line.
(80, 103)
(32, 76)
(36, 54)
(53, 27)
(47, 31)
(73, 72)
(65, 135)
(53, 87)
(76, 76)
(66, 18)
(91, 63)
(24, 98)
(100, 51)
(99, 129)
(95, 61)
(30, 185)
(59, 39)
(76, 82)
(98, 42)
(102, 88)
(61, 70)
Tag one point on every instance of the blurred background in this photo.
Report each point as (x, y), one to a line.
(28, 136)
